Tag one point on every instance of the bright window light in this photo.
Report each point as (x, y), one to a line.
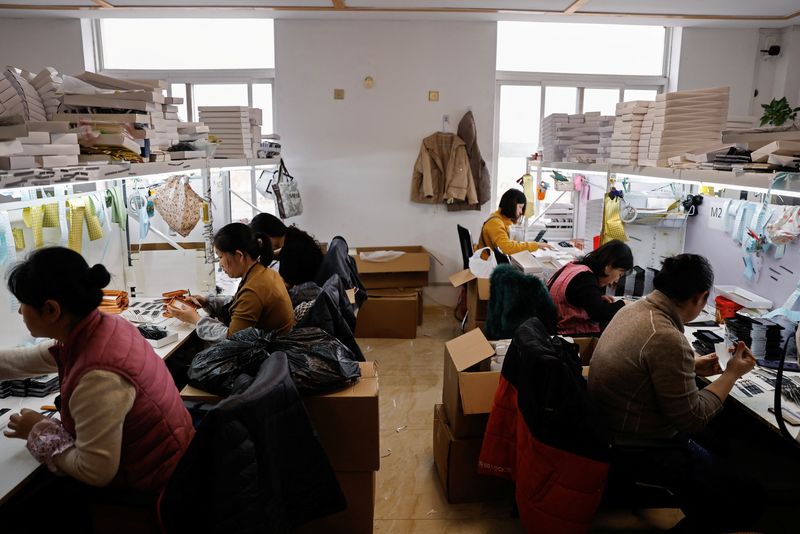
(560, 100)
(648, 95)
(221, 94)
(580, 48)
(602, 100)
(188, 43)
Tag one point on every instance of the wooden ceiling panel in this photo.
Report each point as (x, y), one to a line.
(739, 8)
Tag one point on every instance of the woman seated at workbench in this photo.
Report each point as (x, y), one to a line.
(495, 233)
(122, 422)
(261, 299)
(578, 289)
(297, 251)
(643, 379)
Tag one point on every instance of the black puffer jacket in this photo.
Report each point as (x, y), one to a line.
(338, 261)
(255, 464)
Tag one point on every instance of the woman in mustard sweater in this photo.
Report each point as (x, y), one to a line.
(495, 234)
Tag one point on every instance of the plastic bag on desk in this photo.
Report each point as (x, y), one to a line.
(318, 361)
(217, 368)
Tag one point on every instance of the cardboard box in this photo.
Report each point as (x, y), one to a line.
(359, 490)
(468, 387)
(346, 420)
(390, 313)
(586, 347)
(347, 423)
(478, 291)
(408, 271)
(457, 465)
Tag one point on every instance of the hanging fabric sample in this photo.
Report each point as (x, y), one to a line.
(95, 229)
(613, 228)
(50, 215)
(178, 204)
(76, 216)
(19, 238)
(8, 252)
(33, 217)
(116, 203)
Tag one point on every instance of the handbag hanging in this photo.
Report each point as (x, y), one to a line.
(282, 188)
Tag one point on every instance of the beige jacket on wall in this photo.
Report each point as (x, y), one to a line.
(442, 171)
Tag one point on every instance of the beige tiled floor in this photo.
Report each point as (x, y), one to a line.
(409, 497)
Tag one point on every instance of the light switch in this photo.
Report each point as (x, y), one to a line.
(433, 96)
(338, 94)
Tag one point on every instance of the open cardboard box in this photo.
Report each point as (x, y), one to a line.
(478, 290)
(457, 465)
(390, 313)
(469, 384)
(408, 271)
(346, 420)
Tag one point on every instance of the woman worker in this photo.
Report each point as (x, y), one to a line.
(494, 233)
(261, 299)
(578, 289)
(298, 252)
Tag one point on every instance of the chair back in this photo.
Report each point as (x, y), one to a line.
(465, 241)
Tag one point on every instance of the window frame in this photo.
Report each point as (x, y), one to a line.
(190, 78)
(579, 81)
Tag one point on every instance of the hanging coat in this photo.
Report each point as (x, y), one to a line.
(442, 172)
(468, 132)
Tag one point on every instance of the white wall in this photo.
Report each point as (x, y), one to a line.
(353, 158)
(715, 57)
(33, 44)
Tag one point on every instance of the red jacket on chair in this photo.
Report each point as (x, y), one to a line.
(543, 435)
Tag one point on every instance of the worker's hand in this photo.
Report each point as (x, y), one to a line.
(707, 365)
(609, 299)
(198, 299)
(184, 313)
(20, 424)
(742, 361)
(545, 246)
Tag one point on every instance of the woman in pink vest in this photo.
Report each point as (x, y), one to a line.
(122, 422)
(578, 289)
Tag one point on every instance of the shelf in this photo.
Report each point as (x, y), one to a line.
(723, 178)
(113, 171)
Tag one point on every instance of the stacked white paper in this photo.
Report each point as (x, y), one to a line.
(19, 97)
(581, 138)
(48, 85)
(51, 149)
(627, 131)
(681, 121)
(232, 126)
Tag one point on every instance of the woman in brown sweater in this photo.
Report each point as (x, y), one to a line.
(261, 300)
(642, 378)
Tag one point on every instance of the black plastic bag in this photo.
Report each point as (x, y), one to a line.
(318, 361)
(217, 368)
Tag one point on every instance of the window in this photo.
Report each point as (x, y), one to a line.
(225, 94)
(602, 100)
(546, 68)
(580, 48)
(169, 44)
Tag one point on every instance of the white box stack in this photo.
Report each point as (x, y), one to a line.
(627, 132)
(232, 125)
(682, 121)
(578, 138)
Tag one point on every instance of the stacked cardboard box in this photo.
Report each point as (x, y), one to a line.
(627, 130)
(682, 121)
(551, 151)
(48, 84)
(471, 376)
(26, 102)
(394, 307)
(347, 424)
(234, 127)
(50, 144)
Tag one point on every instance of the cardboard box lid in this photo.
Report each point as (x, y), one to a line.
(469, 349)
(462, 277)
(415, 259)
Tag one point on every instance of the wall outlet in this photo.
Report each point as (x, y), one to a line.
(433, 96)
(338, 94)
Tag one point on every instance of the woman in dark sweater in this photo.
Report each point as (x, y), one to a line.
(578, 289)
(299, 253)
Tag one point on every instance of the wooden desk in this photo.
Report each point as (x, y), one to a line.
(16, 463)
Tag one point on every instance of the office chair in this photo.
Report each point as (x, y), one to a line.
(465, 241)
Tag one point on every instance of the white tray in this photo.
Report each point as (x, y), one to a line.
(743, 297)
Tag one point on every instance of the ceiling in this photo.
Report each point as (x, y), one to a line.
(763, 13)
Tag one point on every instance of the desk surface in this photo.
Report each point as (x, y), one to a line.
(16, 463)
(758, 405)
